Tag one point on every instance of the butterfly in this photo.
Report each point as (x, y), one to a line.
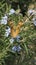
(15, 30)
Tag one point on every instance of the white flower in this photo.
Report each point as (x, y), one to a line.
(5, 17)
(31, 12)
(34, 12)
(34, 21)
(11, 40)
(12, 11)
(16, 48)
(4, 20)
(7, 32)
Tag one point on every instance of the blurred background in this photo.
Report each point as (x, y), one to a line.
(17, 32)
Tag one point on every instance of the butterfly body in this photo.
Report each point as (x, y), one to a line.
(14, 31)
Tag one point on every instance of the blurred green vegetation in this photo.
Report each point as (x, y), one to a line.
(27, 56)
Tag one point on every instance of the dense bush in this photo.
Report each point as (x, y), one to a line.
(17, 36)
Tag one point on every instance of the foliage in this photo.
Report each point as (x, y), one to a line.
(19, 49)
